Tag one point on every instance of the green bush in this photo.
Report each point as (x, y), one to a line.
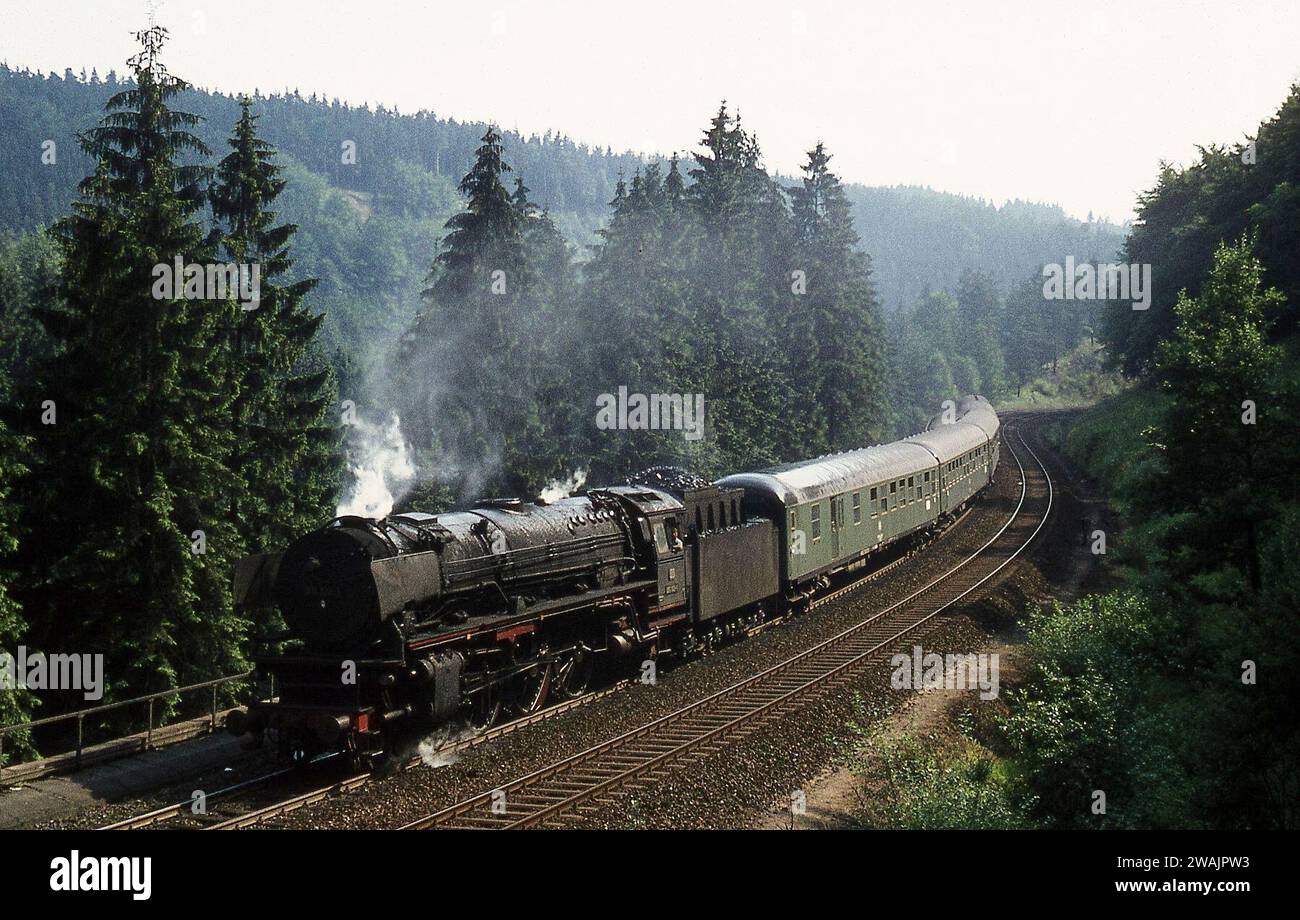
(914, 786)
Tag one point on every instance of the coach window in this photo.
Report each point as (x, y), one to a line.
(735, 512)
(857, 507)
(699, 522)
(710, 517)
(816, 522)
(794, 521)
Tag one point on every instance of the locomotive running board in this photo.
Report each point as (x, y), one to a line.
(561, 606)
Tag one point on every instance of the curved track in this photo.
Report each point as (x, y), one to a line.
(573, 788)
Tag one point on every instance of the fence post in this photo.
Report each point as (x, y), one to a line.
(81, 721)
(213, 725)
(148, 735)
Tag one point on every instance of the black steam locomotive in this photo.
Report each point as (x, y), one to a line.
(417, 621)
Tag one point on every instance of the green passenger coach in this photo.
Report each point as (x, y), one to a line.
(836, 511)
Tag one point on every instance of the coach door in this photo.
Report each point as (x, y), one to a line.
(837, 523)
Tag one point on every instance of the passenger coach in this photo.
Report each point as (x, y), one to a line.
(835, 511)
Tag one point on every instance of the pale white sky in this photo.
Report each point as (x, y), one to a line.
(1063, 101)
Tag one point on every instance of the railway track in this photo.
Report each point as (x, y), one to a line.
(572, 789)
(236, 813)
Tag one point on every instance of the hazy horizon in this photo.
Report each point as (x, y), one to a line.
(954, 126)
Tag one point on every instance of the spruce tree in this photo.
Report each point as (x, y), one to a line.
(547, 316)
(468, 395)
(131, 544)
(1230, 432)
(740, 280)
(286, 450)
(1224, 563)
(842, 375)
(638, 294)
(979, 311)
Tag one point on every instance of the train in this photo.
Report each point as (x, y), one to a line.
(416, 623)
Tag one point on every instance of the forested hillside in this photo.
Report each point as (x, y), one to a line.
(366, 225)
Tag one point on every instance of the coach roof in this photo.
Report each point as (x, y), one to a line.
(835, 474)
(972, 410)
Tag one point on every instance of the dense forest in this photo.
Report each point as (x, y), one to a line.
(455, 309)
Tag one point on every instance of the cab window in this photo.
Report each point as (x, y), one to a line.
(661, 538)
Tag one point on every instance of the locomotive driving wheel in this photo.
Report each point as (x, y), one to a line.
(483, 706)
(573, 673)
(531, 689)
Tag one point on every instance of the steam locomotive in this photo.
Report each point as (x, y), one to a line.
(414, 622)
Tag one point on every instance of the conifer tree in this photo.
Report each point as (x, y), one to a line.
(740, 279)
(920, 373)
(637, 292)
(979, 311)
(286, 451)
(547, 316)
(844, 370)
(468, 400)
(131, 546)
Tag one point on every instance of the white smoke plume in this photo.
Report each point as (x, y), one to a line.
(439, 748)
(379, 460)
(557, 489)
